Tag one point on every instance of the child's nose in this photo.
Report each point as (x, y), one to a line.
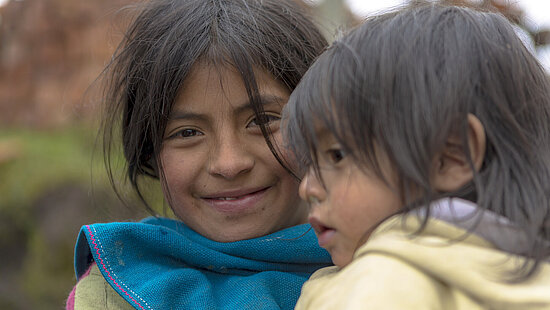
(310, 189)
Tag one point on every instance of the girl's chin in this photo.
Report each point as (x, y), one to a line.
(229, 235)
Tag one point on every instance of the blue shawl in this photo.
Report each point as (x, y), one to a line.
(160, 263)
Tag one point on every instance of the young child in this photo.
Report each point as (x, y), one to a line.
(196, 89)
(426, 132)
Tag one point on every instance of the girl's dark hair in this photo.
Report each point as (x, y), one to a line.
(407, 80)
(168, 37)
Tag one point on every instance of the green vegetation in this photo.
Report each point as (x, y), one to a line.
(43, 159)
(52, 183)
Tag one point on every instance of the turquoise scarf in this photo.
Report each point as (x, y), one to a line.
(162, 264)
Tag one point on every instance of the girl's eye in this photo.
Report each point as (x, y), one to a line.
(335, 155)
(186, 133)
(265, 119)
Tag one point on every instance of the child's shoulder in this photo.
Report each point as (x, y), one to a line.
(441, 266)
(373, 281)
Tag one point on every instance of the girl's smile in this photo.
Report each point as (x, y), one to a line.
(237, 201)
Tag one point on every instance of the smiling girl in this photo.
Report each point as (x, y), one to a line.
(232, 187)
(196, 89)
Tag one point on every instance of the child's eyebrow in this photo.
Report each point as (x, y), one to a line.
(322, 132)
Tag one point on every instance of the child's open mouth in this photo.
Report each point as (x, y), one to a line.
(324, 233)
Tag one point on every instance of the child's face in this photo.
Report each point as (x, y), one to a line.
(352, 203)
(221, 179)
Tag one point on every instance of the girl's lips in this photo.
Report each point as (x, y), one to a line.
(236, 201)
(324, 233)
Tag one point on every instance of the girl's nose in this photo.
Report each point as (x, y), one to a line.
(230, 158)
(311, 190)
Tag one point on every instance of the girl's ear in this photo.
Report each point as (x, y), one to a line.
(451, 169)
(152, 162)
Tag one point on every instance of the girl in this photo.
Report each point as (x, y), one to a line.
(427, 135)
(198, 87)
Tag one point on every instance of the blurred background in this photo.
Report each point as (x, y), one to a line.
(52, 178)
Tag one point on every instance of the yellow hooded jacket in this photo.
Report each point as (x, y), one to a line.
(443, 267)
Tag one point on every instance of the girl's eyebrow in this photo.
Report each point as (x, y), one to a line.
(179, 115)
(265, 100)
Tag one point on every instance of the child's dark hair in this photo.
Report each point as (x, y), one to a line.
(407, 80)
(168, 37)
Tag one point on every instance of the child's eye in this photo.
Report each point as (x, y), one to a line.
(186, 133)
(335, 155)
(265, 119)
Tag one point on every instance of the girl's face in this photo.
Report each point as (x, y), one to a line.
(220, 177)
(352, 203)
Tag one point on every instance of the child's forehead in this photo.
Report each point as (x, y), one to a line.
(323, 134)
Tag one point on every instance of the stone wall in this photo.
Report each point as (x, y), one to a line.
(50, 53)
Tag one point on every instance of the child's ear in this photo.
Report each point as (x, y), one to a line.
(451, 169)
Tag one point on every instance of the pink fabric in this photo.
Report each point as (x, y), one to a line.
(70, 300)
